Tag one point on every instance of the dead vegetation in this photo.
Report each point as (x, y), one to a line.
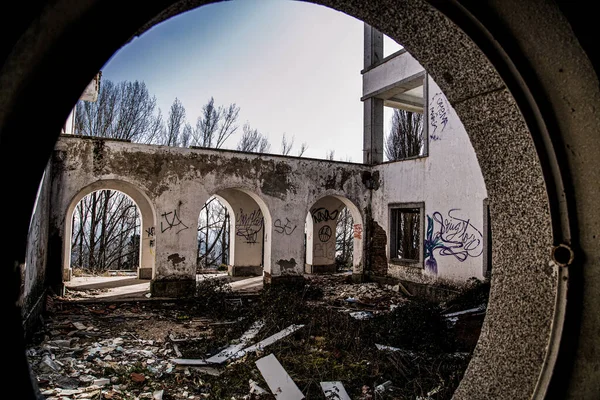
(378, 342)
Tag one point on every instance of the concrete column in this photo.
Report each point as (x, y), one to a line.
(373, 108)
(373, 131)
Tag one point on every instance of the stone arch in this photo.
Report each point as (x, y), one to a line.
(147, 229)
(321, 221)
(248, 231)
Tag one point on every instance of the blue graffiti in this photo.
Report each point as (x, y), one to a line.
(455, 236)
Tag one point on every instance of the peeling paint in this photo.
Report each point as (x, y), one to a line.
(176, 259)
(287, 266)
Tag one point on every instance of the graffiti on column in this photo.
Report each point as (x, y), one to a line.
(248, 225)
(172, 221)
(325, 250)
(321, 214)
(452, 236)
(150, 232)
(357, 231)
(325, 233)
(438, 116)
(286, 228)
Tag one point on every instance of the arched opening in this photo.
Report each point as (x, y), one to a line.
(246, 237)
(334, 234)
(109, 223)
(214, 229)
(105, 235)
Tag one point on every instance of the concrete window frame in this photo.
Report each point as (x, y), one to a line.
(392, 209)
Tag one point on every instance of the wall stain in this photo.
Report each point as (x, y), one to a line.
(287, 266)
(176, 259)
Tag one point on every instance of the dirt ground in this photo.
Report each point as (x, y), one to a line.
(375, 341)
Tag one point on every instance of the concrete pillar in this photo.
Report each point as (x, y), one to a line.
(373, 131)
(373, 108)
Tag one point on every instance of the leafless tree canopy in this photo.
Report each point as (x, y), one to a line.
(123, 111)
(286, 145)
(405, 139)
(215, 125)
(253, 141)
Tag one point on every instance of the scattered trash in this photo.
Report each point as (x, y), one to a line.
(334, 390)
(361, 314)
(270, 340)
(255, 389)
(137, 377)
(383, 387)
(158, 395)
(227, 353)
(281, 384)
(384, 347)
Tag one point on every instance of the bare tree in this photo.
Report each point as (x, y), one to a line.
(213, 235)
(106, 227)
(253, 141)
(330, 154)
(406, 136)
(286, 146)
(122, 111)
(344, 240)
(175, 124)
(215, 125)
(302, 149)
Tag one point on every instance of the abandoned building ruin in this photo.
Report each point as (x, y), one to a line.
(277, 203)
(522, 76)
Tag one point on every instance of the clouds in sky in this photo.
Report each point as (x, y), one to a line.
(291, 67)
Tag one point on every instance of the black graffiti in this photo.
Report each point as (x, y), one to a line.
(249, 225)
(322, 214)
(173, 222)
(325, 233)
(150, 231)
(284, 228)
(438, 115)
(151, 243)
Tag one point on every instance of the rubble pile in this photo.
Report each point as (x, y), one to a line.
(325, 338)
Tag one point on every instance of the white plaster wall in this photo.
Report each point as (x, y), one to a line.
(450, 183)
(178, 182)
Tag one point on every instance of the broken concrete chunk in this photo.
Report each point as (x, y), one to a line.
(79, 326)
(334, 390)
(48, 365)
(157, 395)
(102, 381)
(281, 384)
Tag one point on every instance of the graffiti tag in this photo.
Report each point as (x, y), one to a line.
(452, 236)
(325, 233)
(150, 231)
(249, 225)
(325, 250)
(286, 228)
(357, 231)
(322, 214)
(171, 221)
(438, 115)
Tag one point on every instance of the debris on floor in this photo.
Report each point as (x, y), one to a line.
(281, 384)
(209, 348)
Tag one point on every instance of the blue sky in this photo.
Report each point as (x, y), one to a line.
(291, 67)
